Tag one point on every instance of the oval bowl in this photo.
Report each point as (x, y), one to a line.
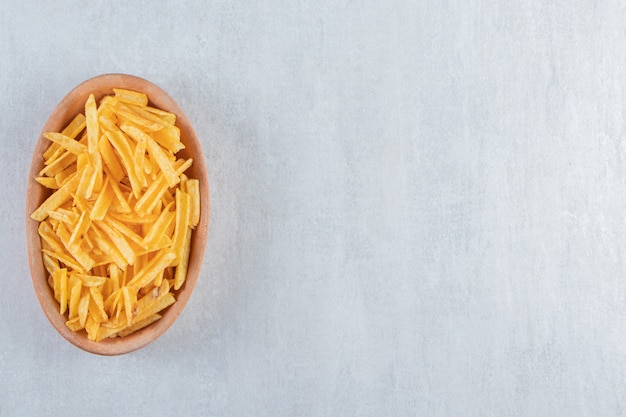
(72, 104)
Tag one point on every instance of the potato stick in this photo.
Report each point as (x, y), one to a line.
(151, 196)
(96, 305)
(74, 324)
(88, 280)
(183, 165)
(192, 187)
(66, 142)
(165, 115)
(76, 126)
(130, 299)
(182, 224)
(139, 158)
(56, 199)
(59, 165)
(111, 302)
(155, 153)
(124, 230)
(48, 182)
(93, 127)
(125, 207)
(49, 236)
(75, 290)
(56, 282)
(76, 251)
(162, 243)
(110, 159)
(147, 274)
(83, 307)
(119, 241)
(128, 116)
(96, 179)
(51, 264)
(132, 218)
(120, 143)
(91, 326)
(158, 227)
(169, 138)
(76, 238)
(64, 292)
(183, 263)
(64, 258)
(83, 188)
(64, 176)
(130, 96)
(103, 201)
(142, 112)
(139, 325)
(155, 306)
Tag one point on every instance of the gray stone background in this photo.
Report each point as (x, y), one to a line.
(418, 207)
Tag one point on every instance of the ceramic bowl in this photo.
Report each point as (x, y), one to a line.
(70, 105)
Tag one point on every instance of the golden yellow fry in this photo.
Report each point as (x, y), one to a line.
(83, 307)
(139, 158)
(183, 263)
(51, 264)
(59, 165)
(169, 138)
(151, 196)
(64, 258)
(127, 116)
(88, 280)
(158, 227)
(103, 202)
(74, 324)
(77, 252)
(48, 182)
(76, 238)
(96, 305)
(63, 297)
(139, 325)
(119, 241)
(75, 291)
(121, 145)
(111, 161)
(49, 236)
(130, 96)
(182, 224)
(111, 303)
(142, 112)
(156, 153)
(130, 299)
(155, 307)
(93, 128)
(114, 253)
(192, 187)
(59, 197)
(124, 230)
(161, 260)
(85, 188)
(66, 142)
(64, 216)
(124, 207)
(164, 115)
(92, 326)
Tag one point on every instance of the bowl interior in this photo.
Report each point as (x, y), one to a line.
(69, 106)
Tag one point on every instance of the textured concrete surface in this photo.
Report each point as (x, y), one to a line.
(417, 207)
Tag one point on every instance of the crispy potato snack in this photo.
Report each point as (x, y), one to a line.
(116, 228)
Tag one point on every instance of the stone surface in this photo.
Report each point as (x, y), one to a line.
(417, 207)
